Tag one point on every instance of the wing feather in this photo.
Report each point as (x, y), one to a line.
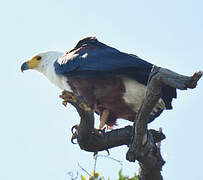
(91, 58)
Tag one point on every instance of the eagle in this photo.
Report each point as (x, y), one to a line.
(112, 82)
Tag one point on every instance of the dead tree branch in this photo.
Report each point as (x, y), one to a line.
(159, 77)
(143, 144)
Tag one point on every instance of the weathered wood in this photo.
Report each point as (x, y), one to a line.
(93, 140)
(159, 77)
(143, 146)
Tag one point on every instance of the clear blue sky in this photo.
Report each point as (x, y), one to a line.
(35, 127)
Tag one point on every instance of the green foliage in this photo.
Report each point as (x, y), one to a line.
(120, 176)
(83, 178)
(94, 176)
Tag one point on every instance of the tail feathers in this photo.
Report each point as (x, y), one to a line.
(168, 94)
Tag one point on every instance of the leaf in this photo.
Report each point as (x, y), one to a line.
(92, 174)
(83, 178)
(96, 175)
(120, 175)
(136, 177)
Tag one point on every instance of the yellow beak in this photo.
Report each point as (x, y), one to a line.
(30, 64)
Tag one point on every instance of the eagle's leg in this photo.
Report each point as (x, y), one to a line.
(103, 118)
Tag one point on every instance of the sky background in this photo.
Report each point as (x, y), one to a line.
(35, 127)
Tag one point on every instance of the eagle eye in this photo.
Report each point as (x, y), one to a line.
(38, 58)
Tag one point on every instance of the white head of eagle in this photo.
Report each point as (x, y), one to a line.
(41, 61)
(44, 63)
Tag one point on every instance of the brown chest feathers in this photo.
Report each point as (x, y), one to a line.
(105, 95)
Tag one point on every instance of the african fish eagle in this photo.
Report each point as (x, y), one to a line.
(112, 82)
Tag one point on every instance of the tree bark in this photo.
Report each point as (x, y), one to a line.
(142, 142)
(150, 163)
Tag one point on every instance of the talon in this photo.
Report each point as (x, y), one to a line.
(75, 133)
(74, 136)
(68, 96)
(74, 127)
(101, 131)
(65, 103)
(98, 132)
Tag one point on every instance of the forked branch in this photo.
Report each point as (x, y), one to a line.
(143, 144)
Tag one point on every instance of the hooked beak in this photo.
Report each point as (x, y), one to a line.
(24, 66)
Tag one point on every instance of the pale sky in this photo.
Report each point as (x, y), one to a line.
(35, 127)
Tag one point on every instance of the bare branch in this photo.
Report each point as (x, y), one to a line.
(141, 140)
